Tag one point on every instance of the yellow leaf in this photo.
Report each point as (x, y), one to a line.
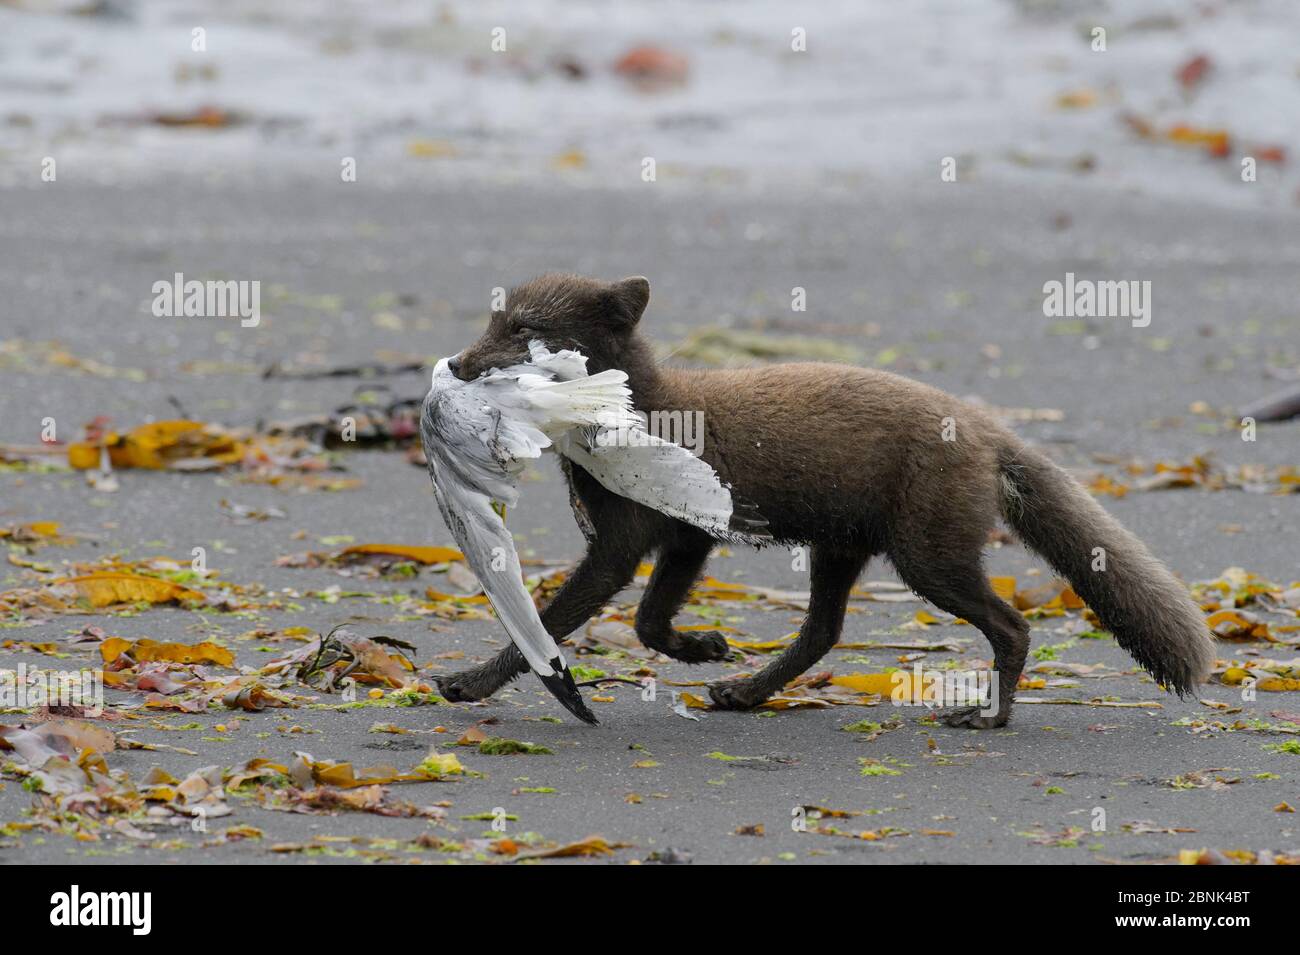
(1215, 141)
(159, 445)
(345, 777)
(1234, 676)
(1277, 684)
(113, 647)
(107, 588)
(713, 589)
(1076, 99)
(83, 457)
(1044, 595)
(759, 646)
(712, 583)
(570, 159)
(27, 531)
(881, 684)
(591, 846)
(1070, 600)
(1004, 587)
(149, 651)
(1104, 485)
(430, 148)
(438, 595)
(1236, 625)
(342, 774)
(421, 555)
(442, 764)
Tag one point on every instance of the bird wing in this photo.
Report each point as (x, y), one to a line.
(489, 550)
(470, 435)
(474, 451)
(642, 467)
(477, 436)
(556, 406)
(633, 463)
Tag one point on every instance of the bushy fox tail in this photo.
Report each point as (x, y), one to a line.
(1134, 595)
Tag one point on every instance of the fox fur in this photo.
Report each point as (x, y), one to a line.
(852, 462)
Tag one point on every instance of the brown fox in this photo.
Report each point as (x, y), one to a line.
(853, 463)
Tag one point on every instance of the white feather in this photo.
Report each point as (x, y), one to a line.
(477, 437)
(637, 465)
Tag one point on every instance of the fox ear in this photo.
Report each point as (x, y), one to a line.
(632, 295)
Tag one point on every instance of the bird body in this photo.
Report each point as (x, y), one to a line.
(479, 434)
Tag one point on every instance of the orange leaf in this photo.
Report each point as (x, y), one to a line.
(107, 588)
(1278, 684)
(421, 555)
(1237, 625)
(149, 651)
(159, 445)
(591, 846)
(1004, 587)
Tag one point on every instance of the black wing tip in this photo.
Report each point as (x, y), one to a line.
(565, 690)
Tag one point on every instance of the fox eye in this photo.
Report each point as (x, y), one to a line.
(525, 330)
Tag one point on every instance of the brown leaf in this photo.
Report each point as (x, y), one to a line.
(63, 738)
(1193, 72)
(590, 846)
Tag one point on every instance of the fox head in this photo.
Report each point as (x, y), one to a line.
(595, 318)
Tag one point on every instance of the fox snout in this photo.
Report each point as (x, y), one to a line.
(465, 367)
(482, 357)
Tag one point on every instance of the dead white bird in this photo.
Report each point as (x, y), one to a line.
(477, 437)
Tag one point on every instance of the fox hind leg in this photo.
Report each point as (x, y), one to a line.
(958, 585)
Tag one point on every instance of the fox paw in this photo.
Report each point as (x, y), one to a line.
(971, 718)
(464, 687)
(707, 646)
(736, 695)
